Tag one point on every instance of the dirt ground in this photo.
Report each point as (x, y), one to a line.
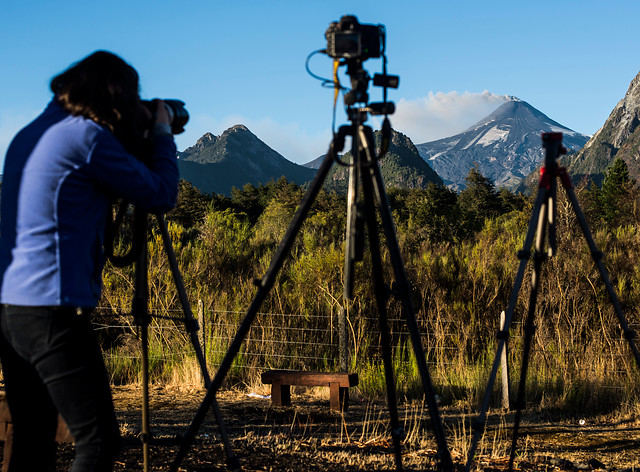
(307, 436)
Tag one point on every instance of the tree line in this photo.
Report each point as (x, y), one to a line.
(460, 254)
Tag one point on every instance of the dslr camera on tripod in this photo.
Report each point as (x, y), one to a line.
(354, 43)
(141, 146)
(178, 115)
(349, 39)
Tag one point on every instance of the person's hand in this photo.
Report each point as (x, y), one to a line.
(162, 115)
(162, 125)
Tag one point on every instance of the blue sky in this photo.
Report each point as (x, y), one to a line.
(244, 61)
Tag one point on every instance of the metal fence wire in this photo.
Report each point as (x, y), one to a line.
(311, 342)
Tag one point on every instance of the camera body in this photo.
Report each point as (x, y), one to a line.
(178, 115)
(350, 39)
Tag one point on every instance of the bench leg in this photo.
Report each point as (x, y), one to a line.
(280, 394)
(8, 444)
(338, 397)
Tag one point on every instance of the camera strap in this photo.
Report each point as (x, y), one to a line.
(336, 82)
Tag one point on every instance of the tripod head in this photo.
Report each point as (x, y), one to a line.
(138, 235)
(360, 83)
(552, 143)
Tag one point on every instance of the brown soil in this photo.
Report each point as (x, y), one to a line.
(308, 437)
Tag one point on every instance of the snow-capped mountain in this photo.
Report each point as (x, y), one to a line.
(505, 146)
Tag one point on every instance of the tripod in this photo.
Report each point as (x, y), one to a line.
(365, 168)
(542, 221)
(141, 315)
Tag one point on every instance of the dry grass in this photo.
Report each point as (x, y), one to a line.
(307, 436)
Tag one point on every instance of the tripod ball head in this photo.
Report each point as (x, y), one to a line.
(553, 140)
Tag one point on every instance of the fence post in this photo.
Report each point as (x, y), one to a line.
(343, 348)
(504, 369)
(202, 333)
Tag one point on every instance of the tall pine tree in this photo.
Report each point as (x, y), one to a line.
(479, 200)
(613, 198)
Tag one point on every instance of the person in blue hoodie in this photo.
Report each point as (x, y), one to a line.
(61, 173)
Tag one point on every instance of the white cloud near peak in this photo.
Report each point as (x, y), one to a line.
(443, 114)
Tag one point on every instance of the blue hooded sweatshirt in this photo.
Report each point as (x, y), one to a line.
(61, 173)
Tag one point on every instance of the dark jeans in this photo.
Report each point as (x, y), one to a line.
(52, 364)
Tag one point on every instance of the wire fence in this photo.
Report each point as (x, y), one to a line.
(311, 342)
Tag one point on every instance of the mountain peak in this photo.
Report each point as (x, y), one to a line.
(618, 137)
(518, 108)
(505, 146)
(236, 157)
(238, 128)
(206, 140)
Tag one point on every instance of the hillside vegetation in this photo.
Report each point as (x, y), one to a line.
(460, 252)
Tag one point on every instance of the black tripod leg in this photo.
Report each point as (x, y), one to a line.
(263, 289)
(503, 335)
(404, 291)
(381, 293)
(140, 311)
(145, 435)
(529, 329)
(629, 333)
(209, 401)
(190, 322)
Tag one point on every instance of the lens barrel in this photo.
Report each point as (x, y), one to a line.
(178, 114)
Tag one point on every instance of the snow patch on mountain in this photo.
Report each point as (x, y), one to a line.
(493, 135)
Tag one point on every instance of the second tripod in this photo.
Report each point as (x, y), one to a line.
(541, 225)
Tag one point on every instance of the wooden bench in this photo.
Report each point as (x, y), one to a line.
(338, 384)
(6, 431)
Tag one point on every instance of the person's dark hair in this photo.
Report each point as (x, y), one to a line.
(101, 87)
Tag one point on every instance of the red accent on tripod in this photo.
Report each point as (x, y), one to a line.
(545, 177)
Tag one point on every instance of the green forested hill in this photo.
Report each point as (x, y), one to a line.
(400, 167)
(216, 164)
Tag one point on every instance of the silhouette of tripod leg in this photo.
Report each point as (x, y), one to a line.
(264, 287)
(191, 324)
(597, 256)
(478, 425)
(381, 294)
(529, 329)
(140, 312)
(403, 291)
